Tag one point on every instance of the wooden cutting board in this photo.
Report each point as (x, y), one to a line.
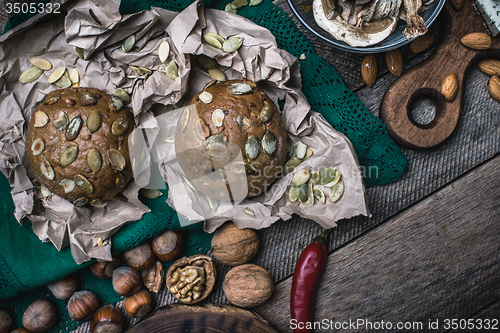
(209, 318)
(425, 80)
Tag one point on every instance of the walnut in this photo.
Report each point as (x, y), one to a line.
(153, 277)
(191, 279)
(248, 286)
(232, 246)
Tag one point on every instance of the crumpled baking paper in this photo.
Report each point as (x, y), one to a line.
(277, 73)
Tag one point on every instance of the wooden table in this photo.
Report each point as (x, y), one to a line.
(431, 250)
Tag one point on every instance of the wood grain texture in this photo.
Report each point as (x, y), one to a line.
(437, 260)
(424, 80)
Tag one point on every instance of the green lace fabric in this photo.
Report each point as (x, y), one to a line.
(27, 265)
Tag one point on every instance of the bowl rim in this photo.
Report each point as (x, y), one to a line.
(435, 8)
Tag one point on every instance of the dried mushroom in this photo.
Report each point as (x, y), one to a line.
(191, 279)
(232, 246)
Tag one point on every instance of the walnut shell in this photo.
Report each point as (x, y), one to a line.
(248, 286)
(232, 246)
(198, 260)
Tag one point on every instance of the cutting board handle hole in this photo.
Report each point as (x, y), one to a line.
(425, 107)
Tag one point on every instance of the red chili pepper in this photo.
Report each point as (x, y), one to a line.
(305, 280)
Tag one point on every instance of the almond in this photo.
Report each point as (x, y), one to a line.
(369, 70)
(394, 62)
(477, 41)
(449, 88)
(422, 43)
(457, 4)
(490, 67)
(494, 87)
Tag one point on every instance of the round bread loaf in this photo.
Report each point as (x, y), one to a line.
(231, 141)
(77, 144)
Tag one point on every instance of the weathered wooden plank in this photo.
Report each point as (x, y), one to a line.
(437, 260)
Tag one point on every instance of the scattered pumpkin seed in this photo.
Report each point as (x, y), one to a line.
(94, 160)
(163, 50)
(45, 190)
(217, 74)
(319, 194)
(136, 70)
(207, 62)
(170, 139)
(335, 179)
(56, 75)
(310, 200)
(74, 128)
(172, 70)
(304, 193)
(218, 117)
(120, 126)
(223, 68)
(123, 95)
(252, 147)
(232, 44)
(17, 130)
(83, 184)
(41, 63)
(129, 43)
(301, 177)
(80, 202)
(116, 159)
(327, 175)
(267, 113)
(230, 9)
(69, 155)
(115, 103)
(63, 82)
(120, 182)
(210, 84)
(47, 169)
(94, 121)
(255, 2)
(214, 204)
(309, 153)
(300, 150)
(144, 70)
(79, 52)
(88, 99)
(214, 42)
(68, 185)
(290, 165)
(201, 129)
(315, 177)
(41, 119)
(249, 211)
(37, 146)
(239, 88)
(293, 194)
(336, 191)
(61, 121)
(30, 75)
(183, 120)
(150, 193)
(51, 100)
(98, 203)
(269, 143)
(74, 76)
(239, 3)
(239, 120)
(218, 150)
(206, 97)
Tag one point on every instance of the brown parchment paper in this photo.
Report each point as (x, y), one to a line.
(97, 27)
(277, 72)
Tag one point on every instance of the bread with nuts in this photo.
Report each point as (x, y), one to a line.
(231, 134)
(77, 144)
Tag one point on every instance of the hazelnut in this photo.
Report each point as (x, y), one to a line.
(232, 246)
(64, 288)
(5, 321)
(168, 245)
(107, 320)
(104, 269)
(126, 281)
(140, 257)
(248, 286)
(20, 330)
(154, 277)
(191, 279)
(139, 304)
(40, 315)
(82, 305)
